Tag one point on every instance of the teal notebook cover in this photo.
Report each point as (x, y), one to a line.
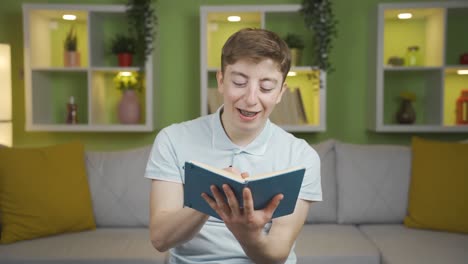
(199, 177)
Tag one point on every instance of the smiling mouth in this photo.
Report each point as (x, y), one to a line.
(247, 113)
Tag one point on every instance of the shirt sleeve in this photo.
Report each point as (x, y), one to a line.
(311, 189)
(162, 163)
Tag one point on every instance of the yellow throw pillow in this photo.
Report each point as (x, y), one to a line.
(43, 191)
(438, 196)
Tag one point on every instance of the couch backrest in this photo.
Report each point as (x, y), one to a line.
(373, 183)
(120, 193)
(360, 184)
(326, 210)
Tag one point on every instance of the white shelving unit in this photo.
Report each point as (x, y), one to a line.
(49, 84)
(437, 29)
(281, 19)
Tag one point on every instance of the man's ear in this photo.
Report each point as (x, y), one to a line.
(284, 87)
(220, 79)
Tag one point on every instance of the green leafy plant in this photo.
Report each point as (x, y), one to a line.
(123, 44)
(142, 21)
(70, 43)
(294, 41)
(127, 81)
(320, 20)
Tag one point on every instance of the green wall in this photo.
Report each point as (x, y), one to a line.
(177, 75)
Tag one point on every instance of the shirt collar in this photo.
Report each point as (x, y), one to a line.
(221, 140)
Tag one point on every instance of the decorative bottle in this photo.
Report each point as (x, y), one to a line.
(412, 56)
(462, 108)
(72, 111)
(406, 113)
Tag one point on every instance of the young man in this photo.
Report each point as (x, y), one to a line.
(238, 137)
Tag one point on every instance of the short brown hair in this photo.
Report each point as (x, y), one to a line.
(256, 44)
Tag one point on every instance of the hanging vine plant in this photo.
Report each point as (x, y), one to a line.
(142, 20)
(320, 20)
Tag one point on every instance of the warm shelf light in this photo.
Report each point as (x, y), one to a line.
(69, 17)
(462, 72)
(125, 74)
(291, 73)
(6, 125)
(234, 18)
(405, 15)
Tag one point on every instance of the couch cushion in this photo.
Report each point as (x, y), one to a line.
(399, 244)
(373, 183)
(325, 211)
(334, 244)
(43, 191)
(120, 193)
(103, 245)
(439, 183)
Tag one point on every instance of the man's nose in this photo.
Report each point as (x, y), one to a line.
(251, 97)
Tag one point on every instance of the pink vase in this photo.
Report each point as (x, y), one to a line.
(129, 108)
(71, 59)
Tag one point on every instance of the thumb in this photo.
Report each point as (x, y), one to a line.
(233, 170)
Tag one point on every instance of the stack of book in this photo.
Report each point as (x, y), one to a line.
(290, 111)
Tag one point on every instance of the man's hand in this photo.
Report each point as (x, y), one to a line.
(245, 223)
(236, 171)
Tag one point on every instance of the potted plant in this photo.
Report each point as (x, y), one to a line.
(71, 56)
(296, 45)
(124, 47)
(142, 20)
(320, 20)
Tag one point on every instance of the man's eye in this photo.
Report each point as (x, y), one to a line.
(267, 86)
(239, 84)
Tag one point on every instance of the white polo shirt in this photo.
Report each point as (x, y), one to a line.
(204, 139)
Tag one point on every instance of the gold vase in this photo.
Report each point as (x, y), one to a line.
(296, 55)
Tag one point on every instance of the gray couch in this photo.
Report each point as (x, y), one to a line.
(360, 220)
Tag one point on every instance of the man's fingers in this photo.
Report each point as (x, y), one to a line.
(218, 204)
(273, 204)
(233, 170)
(232, 200)
(218, 196)
(248, 201)
(208, 199)
(237, 172)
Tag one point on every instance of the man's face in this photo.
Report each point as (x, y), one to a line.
(251, 91)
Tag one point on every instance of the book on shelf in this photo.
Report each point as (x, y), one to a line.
(300, 106)
(290, 111)
(199, 177)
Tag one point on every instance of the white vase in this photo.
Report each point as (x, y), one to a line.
(129, 108)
